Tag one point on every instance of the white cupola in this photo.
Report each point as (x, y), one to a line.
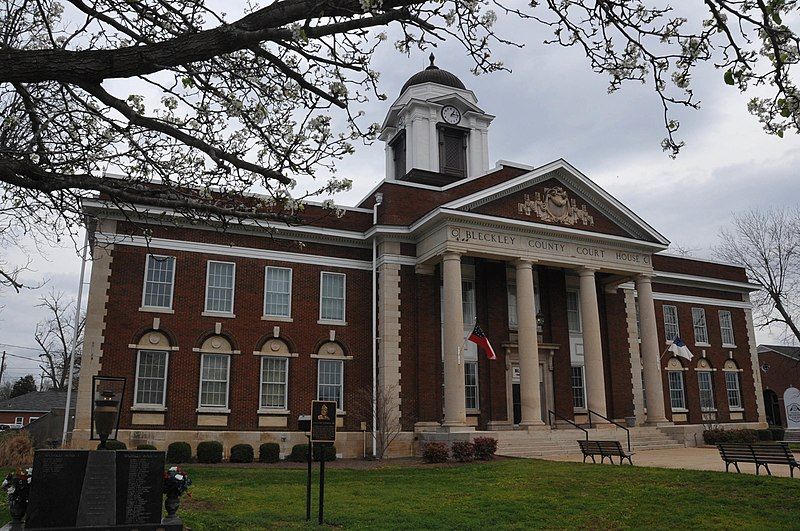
(435, 133)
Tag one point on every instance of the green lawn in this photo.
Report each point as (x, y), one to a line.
(514, 494)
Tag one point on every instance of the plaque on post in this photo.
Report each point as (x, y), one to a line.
(323, 421)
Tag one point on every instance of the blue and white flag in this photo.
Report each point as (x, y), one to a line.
(679, 348)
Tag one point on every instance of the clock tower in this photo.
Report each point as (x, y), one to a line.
(435, 133)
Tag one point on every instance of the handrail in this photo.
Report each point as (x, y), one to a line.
(627, 431)
(551, 414)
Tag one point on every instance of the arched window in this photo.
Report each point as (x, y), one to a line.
(733, 385)
(705, 381)
(275, 354)
(677, 395)
(330, 372)
(152, 357)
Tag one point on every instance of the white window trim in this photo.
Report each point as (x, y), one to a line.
(477, 408)
(222, 409)
(580, 317)
(163, 309)
(163, 404)
(340, 409)
(269, 316)
(583, 409)
(208, 312)
(683, 391)
(272, 409)
(705, 328)
(343, 320)
(736, 372)
(721, 334)
(19, 420)
(677, 322)
(711, 390)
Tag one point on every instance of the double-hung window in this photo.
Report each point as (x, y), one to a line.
(676, 394)
(471, 384)
(214, 378)
(700, 328)
(159, 281)
(706, 384)
(332, 296)
(726, 328)
(732, 383)
(220, 282)
(330, 381)
(578, 388)
(573, 312)
(274, 373)
(278, 292)
(671, 322)
(151, 377)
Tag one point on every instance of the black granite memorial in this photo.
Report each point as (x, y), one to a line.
(116, 490)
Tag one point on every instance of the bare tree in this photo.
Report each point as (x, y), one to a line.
(54, 336)
(387, 414)
(214, 109)
(767, 244)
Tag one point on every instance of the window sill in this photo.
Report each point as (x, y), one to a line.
(148, 408)
(278, 318)
(708, 410)
(728, 345)
(736, 410)
(473, 411)
(156, 310)
(702, 344)
(218, 314)
(331, 322)
(680, 410)
(217, 410)
(274, 412)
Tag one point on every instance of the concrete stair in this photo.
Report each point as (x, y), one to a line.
(549, 443)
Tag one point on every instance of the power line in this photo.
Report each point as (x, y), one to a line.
(20, 346)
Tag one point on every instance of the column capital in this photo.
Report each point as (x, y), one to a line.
(451, 255)
(586, 271)
(644, 277)
(524, 262)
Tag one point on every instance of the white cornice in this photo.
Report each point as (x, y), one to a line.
(225, 250)
(689, 299)
(693, 280)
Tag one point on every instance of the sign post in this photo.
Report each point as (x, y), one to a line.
(323, 433)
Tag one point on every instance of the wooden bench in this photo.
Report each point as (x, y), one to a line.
(604, 449)
(762, 454)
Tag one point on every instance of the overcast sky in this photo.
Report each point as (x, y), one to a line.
(552, 106)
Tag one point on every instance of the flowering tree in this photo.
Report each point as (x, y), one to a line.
(247, 102)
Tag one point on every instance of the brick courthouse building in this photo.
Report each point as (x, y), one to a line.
(229, 336)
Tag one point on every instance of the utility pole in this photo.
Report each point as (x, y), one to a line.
(2, 367)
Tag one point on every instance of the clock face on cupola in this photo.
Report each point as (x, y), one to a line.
(435, 131)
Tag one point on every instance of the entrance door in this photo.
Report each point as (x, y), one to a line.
(517, 403)
(772, 407)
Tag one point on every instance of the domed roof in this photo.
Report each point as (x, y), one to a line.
(434, 74)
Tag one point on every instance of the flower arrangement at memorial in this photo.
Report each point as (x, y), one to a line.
(17, 485)
(176, 482)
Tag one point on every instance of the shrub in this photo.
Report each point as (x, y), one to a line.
(146, 447)
(485, 447)
(242, 453)
(463, 451)
(777, 433)
(717, 436)
(269, 452)
(114, 445)
(435, 452)
(300, 453)
(16, 449)
(764, 435)
(179, 452)
(209, 452)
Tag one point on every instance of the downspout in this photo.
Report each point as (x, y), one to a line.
(378, 201)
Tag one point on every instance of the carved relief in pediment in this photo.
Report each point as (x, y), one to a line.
(556, 207)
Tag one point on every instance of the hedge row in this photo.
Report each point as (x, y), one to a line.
(481, 448)
(211, 452)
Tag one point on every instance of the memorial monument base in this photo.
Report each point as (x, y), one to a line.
(126, 527)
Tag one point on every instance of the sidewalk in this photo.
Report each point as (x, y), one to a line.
(688, 458)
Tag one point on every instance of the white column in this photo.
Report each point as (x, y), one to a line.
(651, 358)
(389, 153)
(528, 347)
(592, 344)
(455, 412)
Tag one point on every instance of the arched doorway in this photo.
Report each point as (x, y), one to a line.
(772, 407)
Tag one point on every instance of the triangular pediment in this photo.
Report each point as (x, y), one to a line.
(558, 194)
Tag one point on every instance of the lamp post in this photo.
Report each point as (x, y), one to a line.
(106, 409)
